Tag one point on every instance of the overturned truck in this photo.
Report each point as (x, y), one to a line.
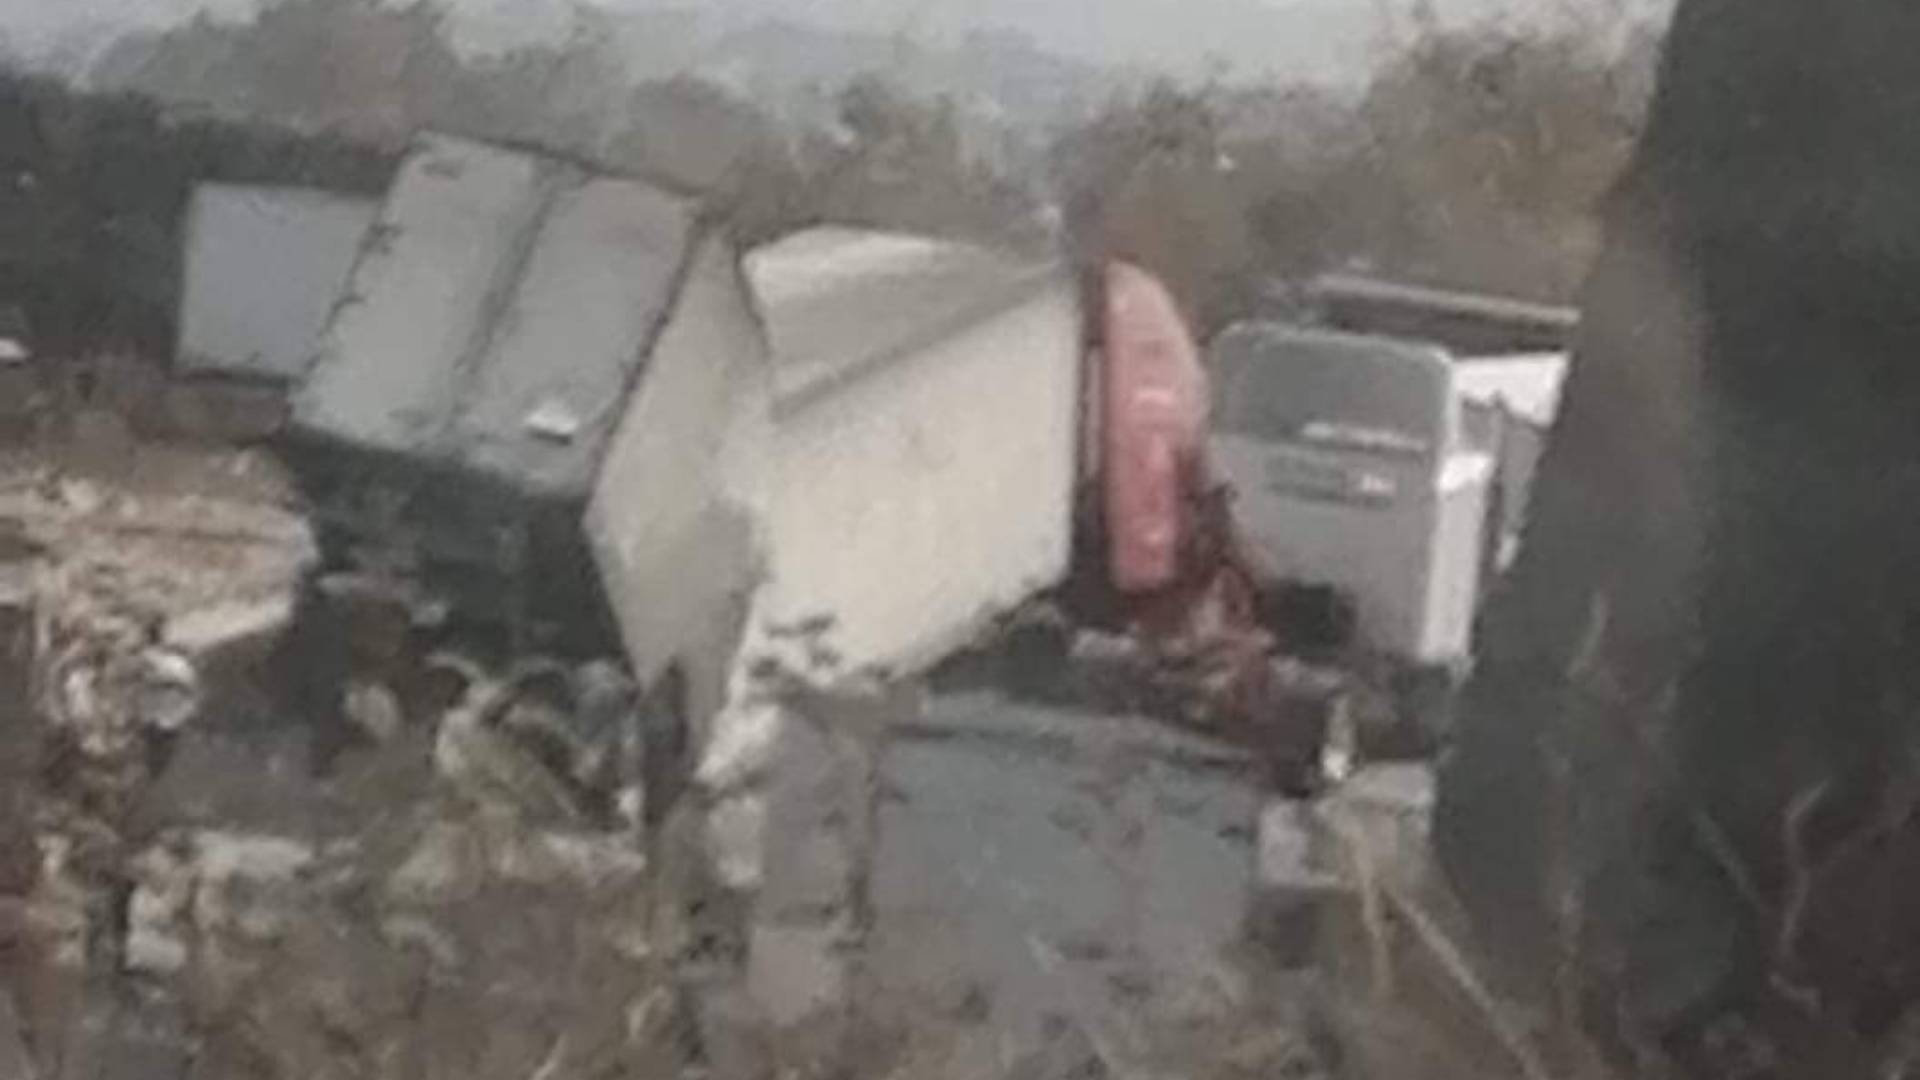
(1682, 799)
(507, 326)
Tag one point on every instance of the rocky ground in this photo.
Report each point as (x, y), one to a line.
(191, 891)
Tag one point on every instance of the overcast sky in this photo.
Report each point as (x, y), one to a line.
(1298, 38)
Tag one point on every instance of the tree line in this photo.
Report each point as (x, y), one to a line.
(1473, 157)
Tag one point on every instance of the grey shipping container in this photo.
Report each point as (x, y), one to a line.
(499, 317)
(264, 267)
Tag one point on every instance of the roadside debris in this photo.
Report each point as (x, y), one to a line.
(549, 742)
(671, 671)
(269, 929)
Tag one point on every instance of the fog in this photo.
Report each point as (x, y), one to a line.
(1320, 40)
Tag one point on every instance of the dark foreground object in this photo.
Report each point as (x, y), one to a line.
(1683, 794)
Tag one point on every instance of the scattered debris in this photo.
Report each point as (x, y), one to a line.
(244, 625)
(375, 794)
